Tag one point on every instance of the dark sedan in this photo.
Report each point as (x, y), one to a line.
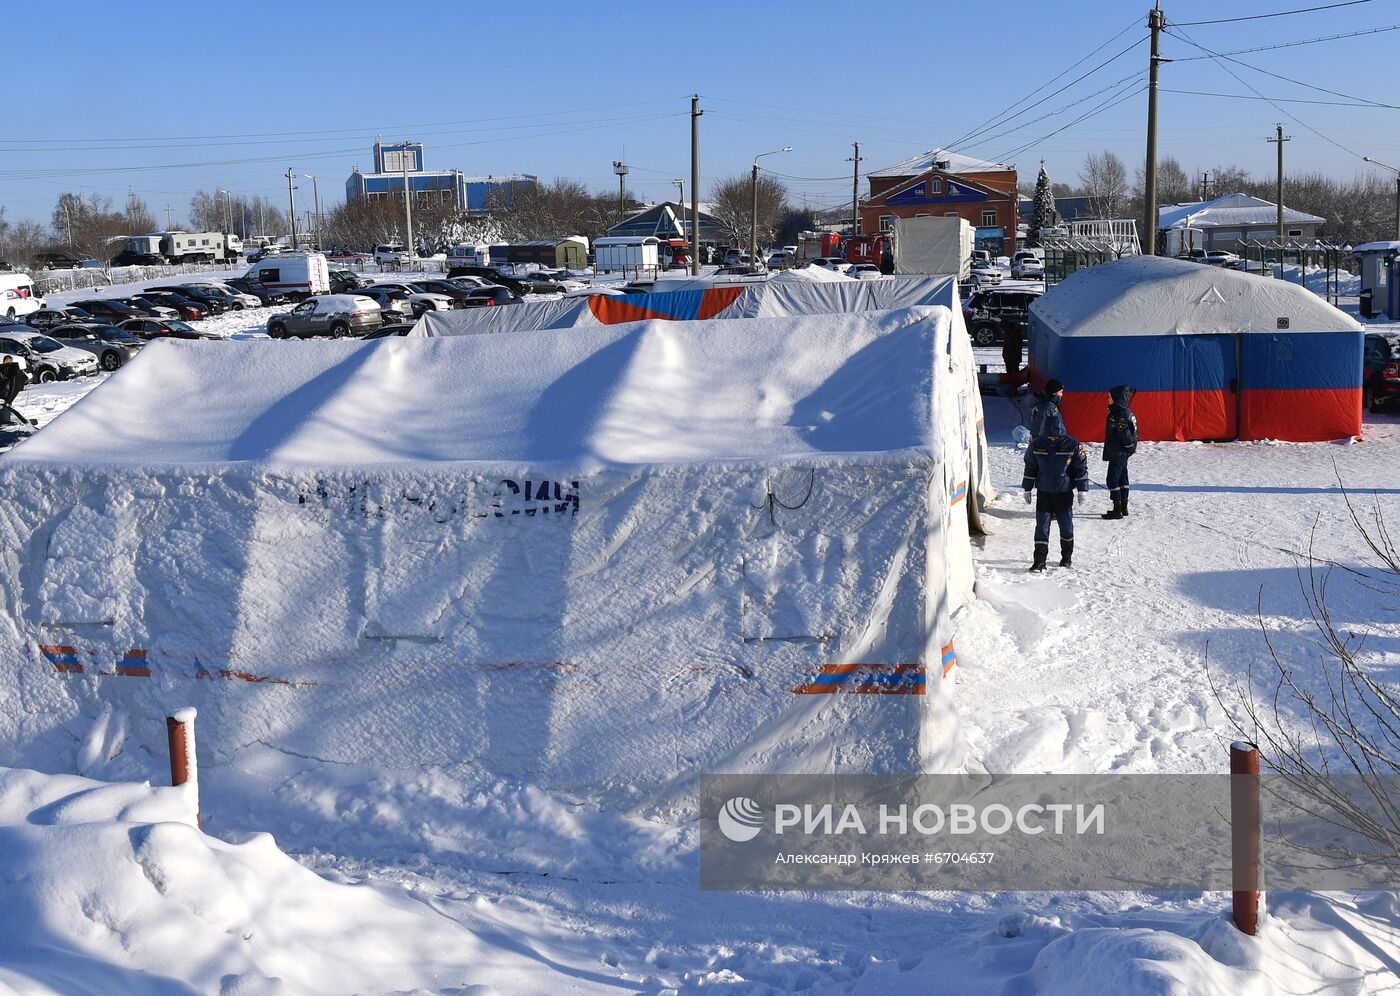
(490, 297)
(216, 303)
(163, 328)
(1380, 374)
(490, 274)
(113, 346)
(109, 311)
(49, 318)
(188, 309)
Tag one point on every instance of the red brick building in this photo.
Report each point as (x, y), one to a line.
(940, 182)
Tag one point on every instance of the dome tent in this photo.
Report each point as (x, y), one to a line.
(1214, 354)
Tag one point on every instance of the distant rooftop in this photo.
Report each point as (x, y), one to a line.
(957, 163)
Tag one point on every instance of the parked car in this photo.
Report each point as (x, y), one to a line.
(490, 274)
(187, 308)
(18, 296)
(985, 274)
(419, 300)
(111, 345)
(215, 304)
(1030, 268)
(264, 252)
(48, 318)
(344, 281)
(62, 261)
(164, 328)
(242, 299)
(129, 258)
(834, 263)
(1219, 257)
(1380, 377)
(391, 330)
(265, 296)
(780, 261)
(864, 271)
(149, 308)
(394, 306)
(491, 297)
(390, 252)
(49, 360)
(109, 309)
(543, 283)
(987, 310)
(334, 315)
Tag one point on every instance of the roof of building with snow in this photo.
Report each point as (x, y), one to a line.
(638, 393)
(1154, 295)
(955, 162)
(1230, 211)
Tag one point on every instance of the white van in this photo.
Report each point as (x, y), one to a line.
(18, 296)
(296, 274)
(469, 255)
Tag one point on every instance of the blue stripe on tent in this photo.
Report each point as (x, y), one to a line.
(1270, 361)
(682, 305)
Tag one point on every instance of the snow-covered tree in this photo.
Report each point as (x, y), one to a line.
(1043, 206)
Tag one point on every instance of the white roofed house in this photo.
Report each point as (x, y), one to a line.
(1227, 220)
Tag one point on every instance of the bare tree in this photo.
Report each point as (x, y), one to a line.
(564, 207)
(732, 201)
(86, 223)
(1105, 180)
(1350, 721)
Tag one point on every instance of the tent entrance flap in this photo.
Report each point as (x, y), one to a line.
(1206, 387)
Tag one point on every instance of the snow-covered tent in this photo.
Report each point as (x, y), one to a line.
(782, 296)
(601, 560)
(1214, 354)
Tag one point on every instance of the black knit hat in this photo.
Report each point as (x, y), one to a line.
(1053, 386)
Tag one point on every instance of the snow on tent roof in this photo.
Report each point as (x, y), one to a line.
(1152, 295)
(1230, 210)
(645, 392)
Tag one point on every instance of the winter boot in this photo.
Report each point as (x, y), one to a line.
(1066, 552)
(1114, 513)
(1042, 550)
(1123, 504)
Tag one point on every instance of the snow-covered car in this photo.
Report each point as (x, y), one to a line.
(1219, 257)
(48, 359)
(864, 271)
(335, 315)
(834, 263)
(113, 346)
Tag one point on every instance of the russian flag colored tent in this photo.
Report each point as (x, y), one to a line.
(1214, 354)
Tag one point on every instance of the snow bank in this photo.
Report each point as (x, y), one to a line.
(598, 560)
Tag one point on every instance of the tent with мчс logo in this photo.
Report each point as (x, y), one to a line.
(1214, 354)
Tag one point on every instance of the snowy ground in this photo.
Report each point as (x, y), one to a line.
(442, 880)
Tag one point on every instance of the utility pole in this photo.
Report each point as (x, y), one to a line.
(1205, 185)
(228, 211)
(621, 168)
(168, 221)
(292, 206)
(855, 189)
(407, 201)
(1155, 21)
(681, 183)
(695, 113)
(1280, 139)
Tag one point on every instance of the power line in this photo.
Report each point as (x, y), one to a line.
(1292, 44)
(1106, 105)
(1284, 79)
(1277, 13)
(1050, 114)
(1288, 114)
(997, 119)
(1283, 100)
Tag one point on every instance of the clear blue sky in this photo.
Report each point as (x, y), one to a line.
(102, 95)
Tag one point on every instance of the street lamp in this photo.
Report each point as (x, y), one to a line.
(621, 169)
(1377, 162)
(316, 197)
(753, 216)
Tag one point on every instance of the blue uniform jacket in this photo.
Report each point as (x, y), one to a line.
(1046, 419)
(1056, 465)
(1120, 435)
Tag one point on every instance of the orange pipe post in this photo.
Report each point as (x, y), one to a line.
(1246, 820)
(179, 730)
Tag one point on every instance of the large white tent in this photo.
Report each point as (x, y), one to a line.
(601, 560)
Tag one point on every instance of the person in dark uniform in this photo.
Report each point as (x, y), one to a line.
(12, 380)
(1056, 467)
(1047, 402)
(1120, 439)
(1013, 341)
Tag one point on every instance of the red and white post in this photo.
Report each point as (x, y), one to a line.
(1246, 821)
(184, 768)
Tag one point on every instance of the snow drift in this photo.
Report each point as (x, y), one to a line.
(599, 560)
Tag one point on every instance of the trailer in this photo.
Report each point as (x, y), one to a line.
(627, 254)
(197, 247)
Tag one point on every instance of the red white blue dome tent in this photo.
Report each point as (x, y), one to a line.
(1214, 354)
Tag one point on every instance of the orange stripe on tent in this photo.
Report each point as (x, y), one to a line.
(716, 300)
(616, 310)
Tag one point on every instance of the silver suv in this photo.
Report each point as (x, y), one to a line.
(334, 315)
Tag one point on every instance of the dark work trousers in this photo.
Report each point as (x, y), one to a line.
(1060, 507)
(1118, 478)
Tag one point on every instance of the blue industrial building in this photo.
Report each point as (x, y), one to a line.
(451, 186)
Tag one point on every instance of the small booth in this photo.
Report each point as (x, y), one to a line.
(1379, 288)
